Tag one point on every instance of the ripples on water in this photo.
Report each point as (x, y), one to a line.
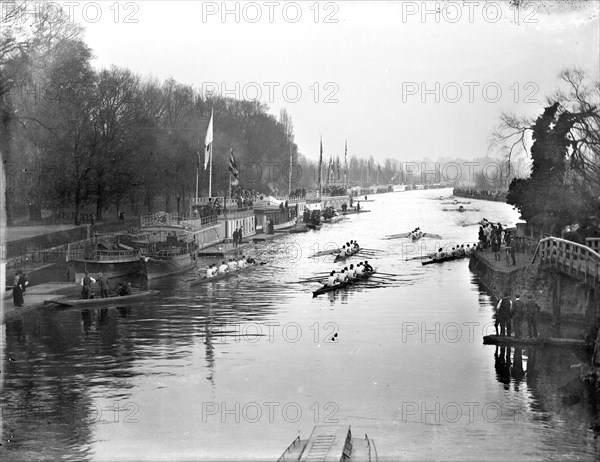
(205, 371)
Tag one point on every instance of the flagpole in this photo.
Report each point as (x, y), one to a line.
(290, 178)
(198, 169)
(210, 160)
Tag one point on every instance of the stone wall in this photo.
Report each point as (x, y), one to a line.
(568, 307)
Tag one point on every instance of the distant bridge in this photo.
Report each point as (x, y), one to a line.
(579, 261)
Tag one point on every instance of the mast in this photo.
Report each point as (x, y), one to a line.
(320, 163)
(290, 176)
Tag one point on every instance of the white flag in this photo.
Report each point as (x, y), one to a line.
(208, 140)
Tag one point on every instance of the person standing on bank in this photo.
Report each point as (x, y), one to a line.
(86, 285)
(18, 290)
(503, 310)
(517, 313)
(531, 313)
(103, 284)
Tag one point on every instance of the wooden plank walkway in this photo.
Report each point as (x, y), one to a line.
(503, 340)
(35, 298)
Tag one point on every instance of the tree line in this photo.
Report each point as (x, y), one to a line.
(74, 136)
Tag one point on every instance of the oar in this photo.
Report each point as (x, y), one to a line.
(386, 274)
(383, 278)
(420, 257)
(372, 250)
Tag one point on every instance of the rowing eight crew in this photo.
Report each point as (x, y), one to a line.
(232, 265)
(349, 249)
(461, 251)
(416, 233)
(348, 273)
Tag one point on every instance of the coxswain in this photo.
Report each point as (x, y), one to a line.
(368, 267)
(232, 265)
(223, 268)
(331, 280)
(251, 261)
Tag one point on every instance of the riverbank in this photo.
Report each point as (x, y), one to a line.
(34, 298)
(568, 314)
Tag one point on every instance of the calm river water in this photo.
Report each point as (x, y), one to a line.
(238, 369)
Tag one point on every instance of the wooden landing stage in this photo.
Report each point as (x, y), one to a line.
(502, 340)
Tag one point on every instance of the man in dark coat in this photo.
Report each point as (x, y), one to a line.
(503, 310)
(518, 311)
(531, 314)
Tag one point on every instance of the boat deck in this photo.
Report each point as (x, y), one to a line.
(329, 443)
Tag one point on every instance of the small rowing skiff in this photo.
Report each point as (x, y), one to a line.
(115, 299)
(442, 260)
(341, 285)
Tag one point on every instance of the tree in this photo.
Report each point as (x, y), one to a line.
(564, 185)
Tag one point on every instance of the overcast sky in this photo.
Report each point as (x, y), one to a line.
(366, 71)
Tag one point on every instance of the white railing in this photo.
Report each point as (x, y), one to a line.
(574, 259)
(114, 255)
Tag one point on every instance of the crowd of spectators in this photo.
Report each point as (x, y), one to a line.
(482, 194)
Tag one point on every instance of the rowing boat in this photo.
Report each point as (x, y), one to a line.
(340, 258)
(220, 277)
(442, 260)
(115, 299)
(341, 285)
(403, 235)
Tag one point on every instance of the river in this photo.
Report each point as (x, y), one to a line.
(237, 369)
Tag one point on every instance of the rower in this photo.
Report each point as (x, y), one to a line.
(358, 271)
(351, 272)
(368, 267)
(211, 271)
(462, 250)
(439, 254)
(242, 262)
(343, 253)
(343, 276)
(331, 280)
(356, 247)
(232, 265)
(223, 268)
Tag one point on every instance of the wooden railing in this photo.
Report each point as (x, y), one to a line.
(593, 243)
(576, 260)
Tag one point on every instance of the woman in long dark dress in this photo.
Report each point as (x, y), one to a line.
(18, 290)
